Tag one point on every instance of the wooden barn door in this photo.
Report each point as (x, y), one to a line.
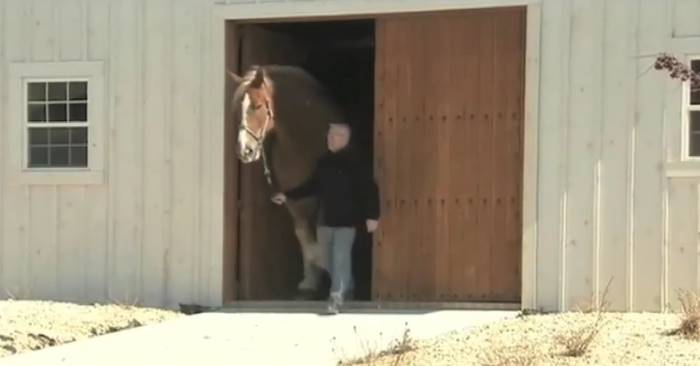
(449, 156)
(269, 264)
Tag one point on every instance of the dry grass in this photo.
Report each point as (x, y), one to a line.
(588, 336)
(689, 314)
(33, 325)
(617, 339)
(516, 355)
(577, 341)
(395, 353)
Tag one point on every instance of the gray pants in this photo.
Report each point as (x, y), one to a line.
(337, 248)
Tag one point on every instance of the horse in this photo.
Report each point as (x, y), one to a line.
(283, 114)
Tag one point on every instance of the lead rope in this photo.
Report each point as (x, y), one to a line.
(266, 167)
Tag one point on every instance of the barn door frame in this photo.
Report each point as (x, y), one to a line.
(223, 13)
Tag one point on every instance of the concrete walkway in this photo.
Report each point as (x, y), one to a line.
(256, 339)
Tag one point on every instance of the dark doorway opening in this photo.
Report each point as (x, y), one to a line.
(340, 54)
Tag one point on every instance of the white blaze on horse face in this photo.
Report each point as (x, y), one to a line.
(248, 149)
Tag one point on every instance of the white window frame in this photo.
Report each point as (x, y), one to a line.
(18, 156)
(686, 109)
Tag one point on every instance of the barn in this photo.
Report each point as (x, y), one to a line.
(526, 152)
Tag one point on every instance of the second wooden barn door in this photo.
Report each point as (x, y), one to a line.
(448, 145)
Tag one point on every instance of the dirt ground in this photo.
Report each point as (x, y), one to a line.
(32, 325)
(623, 339)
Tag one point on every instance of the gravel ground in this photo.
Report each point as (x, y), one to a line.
(32, 325)
(624, 339)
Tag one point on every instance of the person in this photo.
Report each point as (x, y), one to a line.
(348, 198)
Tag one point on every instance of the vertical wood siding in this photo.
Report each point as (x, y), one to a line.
(606, 209)
(143, 236)
(153, 231)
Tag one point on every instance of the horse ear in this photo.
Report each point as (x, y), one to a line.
(259, 78)
(236, 79)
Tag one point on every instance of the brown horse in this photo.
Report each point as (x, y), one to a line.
(283, 115)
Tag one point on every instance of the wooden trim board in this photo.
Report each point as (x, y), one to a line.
(354, 306)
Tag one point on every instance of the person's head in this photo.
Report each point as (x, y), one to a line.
(338, 136)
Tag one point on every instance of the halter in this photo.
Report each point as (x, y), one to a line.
(259, 140)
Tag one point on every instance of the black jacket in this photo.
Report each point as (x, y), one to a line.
(345, 188)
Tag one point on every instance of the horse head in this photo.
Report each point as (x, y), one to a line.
(253, 112)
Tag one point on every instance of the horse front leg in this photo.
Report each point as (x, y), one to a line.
(314, 256)
(314, 260)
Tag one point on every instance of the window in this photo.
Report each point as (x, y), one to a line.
(57, 124)
(692, 114)
(56, 116)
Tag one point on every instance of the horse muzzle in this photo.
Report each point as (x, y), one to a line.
(248, 155)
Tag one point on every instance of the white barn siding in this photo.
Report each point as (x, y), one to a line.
(140, 236)
(582, 146)
(613, 168)
(97, 197)
(608, 204)
(607, 208)
(648, 242)
(552, 135)
(3, 103)
(685, 16)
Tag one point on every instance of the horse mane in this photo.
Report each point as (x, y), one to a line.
(280, 77)
(248, 78)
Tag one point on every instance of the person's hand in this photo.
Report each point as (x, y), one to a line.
(372, 225)
(279, 198)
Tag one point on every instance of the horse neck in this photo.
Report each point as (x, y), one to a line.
(294, 153)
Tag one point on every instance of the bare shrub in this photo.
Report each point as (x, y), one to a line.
(577, 343)
(689, 314)
(579, 340)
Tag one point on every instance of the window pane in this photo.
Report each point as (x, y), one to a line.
(36, 113)
(694, 143)
(58, 91)
(38, 156)
(78, 112)
(58, 136)
(38, 136)
(78, 135)
(78, 90)
(78, 156)
(58, 156)
(57, 112)
(58, 147)
(695, 122)
(695, 95)
(37, 92)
